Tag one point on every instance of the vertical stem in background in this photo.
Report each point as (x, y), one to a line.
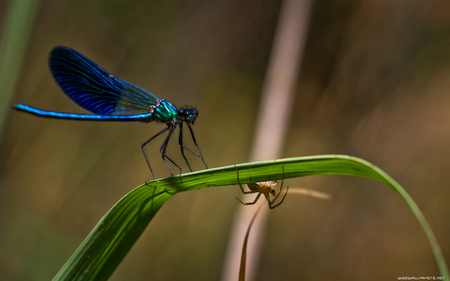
(273, 119)
(17, 25)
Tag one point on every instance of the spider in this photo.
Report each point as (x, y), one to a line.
(265, 187)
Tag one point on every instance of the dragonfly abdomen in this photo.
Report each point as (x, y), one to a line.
(74, 116)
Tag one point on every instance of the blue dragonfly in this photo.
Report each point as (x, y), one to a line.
(112, 99)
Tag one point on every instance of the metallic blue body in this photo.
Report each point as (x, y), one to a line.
(45, 113)
(112, 99)
(99, 92)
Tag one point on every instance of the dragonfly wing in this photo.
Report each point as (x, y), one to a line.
(93, 88)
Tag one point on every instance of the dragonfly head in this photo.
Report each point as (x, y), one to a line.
(187, 115)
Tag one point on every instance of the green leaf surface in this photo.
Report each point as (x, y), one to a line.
(109, 242)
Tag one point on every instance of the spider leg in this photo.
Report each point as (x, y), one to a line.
(239, 182)
(270, 204)
(282, 180)
(250, 203)
(145, 143)
(281, 188)
(275, 198)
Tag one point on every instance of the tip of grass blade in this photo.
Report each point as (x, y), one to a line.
(244, 247)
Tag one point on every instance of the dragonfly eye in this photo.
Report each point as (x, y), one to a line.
(189, 115)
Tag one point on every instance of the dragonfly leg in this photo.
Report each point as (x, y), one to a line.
(195, 142)
(182, 147)
(163, 150)
(145, 143)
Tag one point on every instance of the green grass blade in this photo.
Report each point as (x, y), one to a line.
(115, 234)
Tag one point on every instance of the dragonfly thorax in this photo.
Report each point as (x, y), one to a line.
(163, 111)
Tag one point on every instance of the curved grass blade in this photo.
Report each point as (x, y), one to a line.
(294, 190)
(115, 234)
(244, 246)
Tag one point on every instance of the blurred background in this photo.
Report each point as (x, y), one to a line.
(374, 83)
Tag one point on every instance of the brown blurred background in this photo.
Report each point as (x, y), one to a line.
(374, 83)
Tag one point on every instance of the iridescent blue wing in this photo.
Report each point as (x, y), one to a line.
(93, 88)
